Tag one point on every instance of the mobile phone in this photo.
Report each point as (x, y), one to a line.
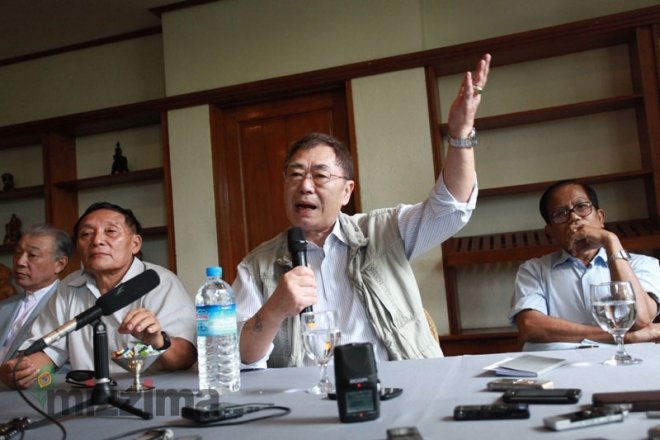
(404, 433)
(492, 412)
(517, 384)
(386, 393)
(553, 395)
(647, 400)
(584, 418)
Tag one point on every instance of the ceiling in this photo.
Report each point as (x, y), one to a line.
(31, 26)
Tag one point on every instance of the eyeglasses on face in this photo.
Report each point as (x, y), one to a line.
(562, 215)
(320, 177)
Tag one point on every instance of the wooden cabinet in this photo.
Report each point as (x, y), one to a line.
(76, 154)
(633, 39)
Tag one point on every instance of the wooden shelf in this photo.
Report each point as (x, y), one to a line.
(22, 193)
(638, 32)
(554, 113)
(155, 231)
(541, 186)
(635, 235)
(83, 124)
(113, 179)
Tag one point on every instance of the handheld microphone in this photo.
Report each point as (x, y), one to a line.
(298, 250)
(107, 304)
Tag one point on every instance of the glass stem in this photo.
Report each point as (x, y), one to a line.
(620, 349)
(324, 376)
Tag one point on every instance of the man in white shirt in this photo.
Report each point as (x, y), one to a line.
(358, 265)
(40, 256)
(108, 241)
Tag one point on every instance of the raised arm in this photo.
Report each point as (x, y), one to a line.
(459, 170)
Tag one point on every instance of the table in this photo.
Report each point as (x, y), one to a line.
(432, 388)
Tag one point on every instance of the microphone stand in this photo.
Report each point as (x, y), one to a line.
(103, 392)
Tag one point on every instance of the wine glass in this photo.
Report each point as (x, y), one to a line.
(320, 335)
(613, 307)
(137, 360)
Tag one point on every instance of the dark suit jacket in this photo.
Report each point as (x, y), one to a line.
(8, 310)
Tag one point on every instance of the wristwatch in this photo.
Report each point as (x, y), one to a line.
(621, 255)
(167, 342)
(468, 142)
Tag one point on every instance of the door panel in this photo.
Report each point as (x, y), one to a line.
(249, 146)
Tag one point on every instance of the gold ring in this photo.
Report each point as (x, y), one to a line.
(477, 89)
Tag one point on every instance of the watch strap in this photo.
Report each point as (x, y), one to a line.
(468, 142)
(167, 342)
(622, 254)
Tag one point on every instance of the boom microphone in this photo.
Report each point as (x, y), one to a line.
(107, 304)
(298, 250)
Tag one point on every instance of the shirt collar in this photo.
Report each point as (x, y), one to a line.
(562, 257)
(85, 278)
(39, 294)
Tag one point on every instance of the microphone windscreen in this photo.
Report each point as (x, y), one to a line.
(127, 292)
(296, 240)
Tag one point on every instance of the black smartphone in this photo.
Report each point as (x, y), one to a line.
(553, 395)
(584, 418)
(386, 393)
(404, 433)
(492, 412)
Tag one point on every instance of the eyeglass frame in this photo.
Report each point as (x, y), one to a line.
(319, 169)
(567, 212)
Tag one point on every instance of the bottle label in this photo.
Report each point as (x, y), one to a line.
(216, 320)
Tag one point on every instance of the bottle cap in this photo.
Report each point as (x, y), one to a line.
(214, 271)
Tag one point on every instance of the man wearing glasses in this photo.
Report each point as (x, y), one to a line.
(551, 300)
(357, 265)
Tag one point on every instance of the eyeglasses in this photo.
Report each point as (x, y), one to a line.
(562, 215)
(319, 177)
(83, 379)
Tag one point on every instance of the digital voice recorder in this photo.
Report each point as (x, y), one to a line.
(356, 380)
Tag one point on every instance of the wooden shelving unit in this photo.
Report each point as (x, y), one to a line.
(639, 31)
(57, 137)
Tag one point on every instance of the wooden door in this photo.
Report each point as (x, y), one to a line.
(249, 146)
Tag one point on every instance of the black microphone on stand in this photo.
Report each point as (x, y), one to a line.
(298, 250)
(107, 304)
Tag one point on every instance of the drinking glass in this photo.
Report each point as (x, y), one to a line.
(613, 307)
(320, 335)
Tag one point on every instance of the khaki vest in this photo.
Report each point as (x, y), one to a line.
(381, 275)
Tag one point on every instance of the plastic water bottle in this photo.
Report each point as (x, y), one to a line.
(217, 338)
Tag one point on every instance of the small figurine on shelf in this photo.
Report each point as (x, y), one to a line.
(7, 181)
(120, 163)
(7, 289)
(13, 230)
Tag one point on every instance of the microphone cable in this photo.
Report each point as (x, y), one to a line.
(282, 411)
(32, 405)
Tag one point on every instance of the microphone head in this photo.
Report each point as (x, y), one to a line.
(128, 292)
(296, 240)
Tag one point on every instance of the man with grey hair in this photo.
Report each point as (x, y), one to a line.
(41, 254)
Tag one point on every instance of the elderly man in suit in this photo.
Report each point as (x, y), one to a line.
(42, 252)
